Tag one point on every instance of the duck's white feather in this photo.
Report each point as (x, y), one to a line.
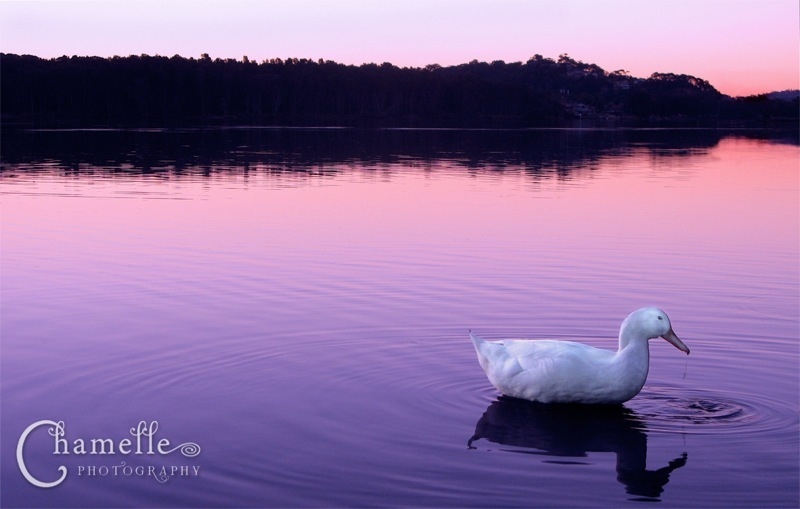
(568, 372)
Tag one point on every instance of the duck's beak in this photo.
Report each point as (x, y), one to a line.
(677, 343)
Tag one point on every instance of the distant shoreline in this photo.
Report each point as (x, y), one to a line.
(145, 91)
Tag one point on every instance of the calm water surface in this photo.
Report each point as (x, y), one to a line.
(296, 303)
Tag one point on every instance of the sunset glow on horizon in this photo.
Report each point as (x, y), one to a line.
(742, 47)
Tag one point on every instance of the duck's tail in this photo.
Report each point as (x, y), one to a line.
(482, 348)
(476, 340)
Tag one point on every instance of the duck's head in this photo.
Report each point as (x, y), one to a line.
(649, 323)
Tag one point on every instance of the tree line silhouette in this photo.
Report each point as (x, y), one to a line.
(155, 90)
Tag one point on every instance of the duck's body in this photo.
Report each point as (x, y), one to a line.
(551, 371)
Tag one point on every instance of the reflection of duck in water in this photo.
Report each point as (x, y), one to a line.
(568, 372)
(574, 431)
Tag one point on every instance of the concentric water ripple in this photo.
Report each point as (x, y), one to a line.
(424, 372)
(704, 412)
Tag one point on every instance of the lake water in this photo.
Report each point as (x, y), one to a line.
(295, 303)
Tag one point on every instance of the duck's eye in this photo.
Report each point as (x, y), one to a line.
(660, 318)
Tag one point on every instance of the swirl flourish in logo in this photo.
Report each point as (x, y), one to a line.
(188, 449)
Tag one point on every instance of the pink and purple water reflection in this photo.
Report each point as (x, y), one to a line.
(297, 304)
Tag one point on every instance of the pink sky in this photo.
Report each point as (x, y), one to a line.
(741, 46)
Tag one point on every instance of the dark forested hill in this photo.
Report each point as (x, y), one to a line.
(154, 90)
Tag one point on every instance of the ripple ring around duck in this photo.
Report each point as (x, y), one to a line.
(710, 413)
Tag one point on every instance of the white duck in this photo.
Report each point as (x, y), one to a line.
(551, 371)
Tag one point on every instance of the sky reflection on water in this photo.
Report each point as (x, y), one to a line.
(297, 304)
